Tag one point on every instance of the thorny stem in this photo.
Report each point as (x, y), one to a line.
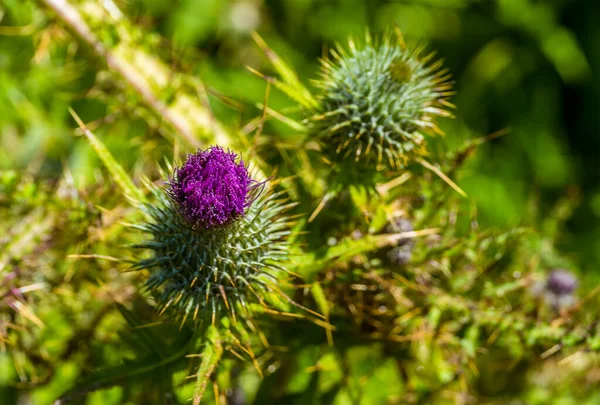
(144, 73)
(210, 359)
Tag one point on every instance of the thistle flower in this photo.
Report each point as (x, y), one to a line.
(561, 282)
(558, 290)
(378, 101)
(400, 225)
(211, 189)
(218, 237)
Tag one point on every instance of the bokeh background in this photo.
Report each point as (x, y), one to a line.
(522, 68)
(527, 67)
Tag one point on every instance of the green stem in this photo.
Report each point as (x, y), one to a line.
(210, 359)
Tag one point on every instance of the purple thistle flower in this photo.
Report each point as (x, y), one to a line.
(211, 189)
(561, 282)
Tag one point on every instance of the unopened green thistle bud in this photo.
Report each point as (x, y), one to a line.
(218, 238)
(378, 101)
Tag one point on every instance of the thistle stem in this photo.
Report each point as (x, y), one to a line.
(148, 76)
(210, 359)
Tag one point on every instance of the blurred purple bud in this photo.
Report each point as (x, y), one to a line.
(399, 225)
(401, 254)
(561, 282)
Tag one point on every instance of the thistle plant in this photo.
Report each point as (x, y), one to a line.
(218, 238)
(377, 103)
(410, 298)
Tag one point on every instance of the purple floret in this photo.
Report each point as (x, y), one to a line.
(211, 188)
(561, 282)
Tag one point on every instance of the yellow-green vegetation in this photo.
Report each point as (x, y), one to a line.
(234, 203)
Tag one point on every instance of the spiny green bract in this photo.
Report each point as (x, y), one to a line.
(202, 271)
(377, 101)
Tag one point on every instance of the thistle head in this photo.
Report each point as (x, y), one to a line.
(378, 101)
(558, 289)
(212, 189)
(561, 282)
(402, 253)
(217, 238)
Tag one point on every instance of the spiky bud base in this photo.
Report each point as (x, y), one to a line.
(377, 101)
(200, 271)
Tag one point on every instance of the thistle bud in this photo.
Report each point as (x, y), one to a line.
(558, 290)
(561, 282)
(218, 237)
(378, 101)
(402, 253)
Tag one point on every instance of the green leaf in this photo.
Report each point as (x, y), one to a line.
(143, 334)
(282, 118)
(119, 374)
(290, 83)
(345, 250)
(117, 172)
(319, 296)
